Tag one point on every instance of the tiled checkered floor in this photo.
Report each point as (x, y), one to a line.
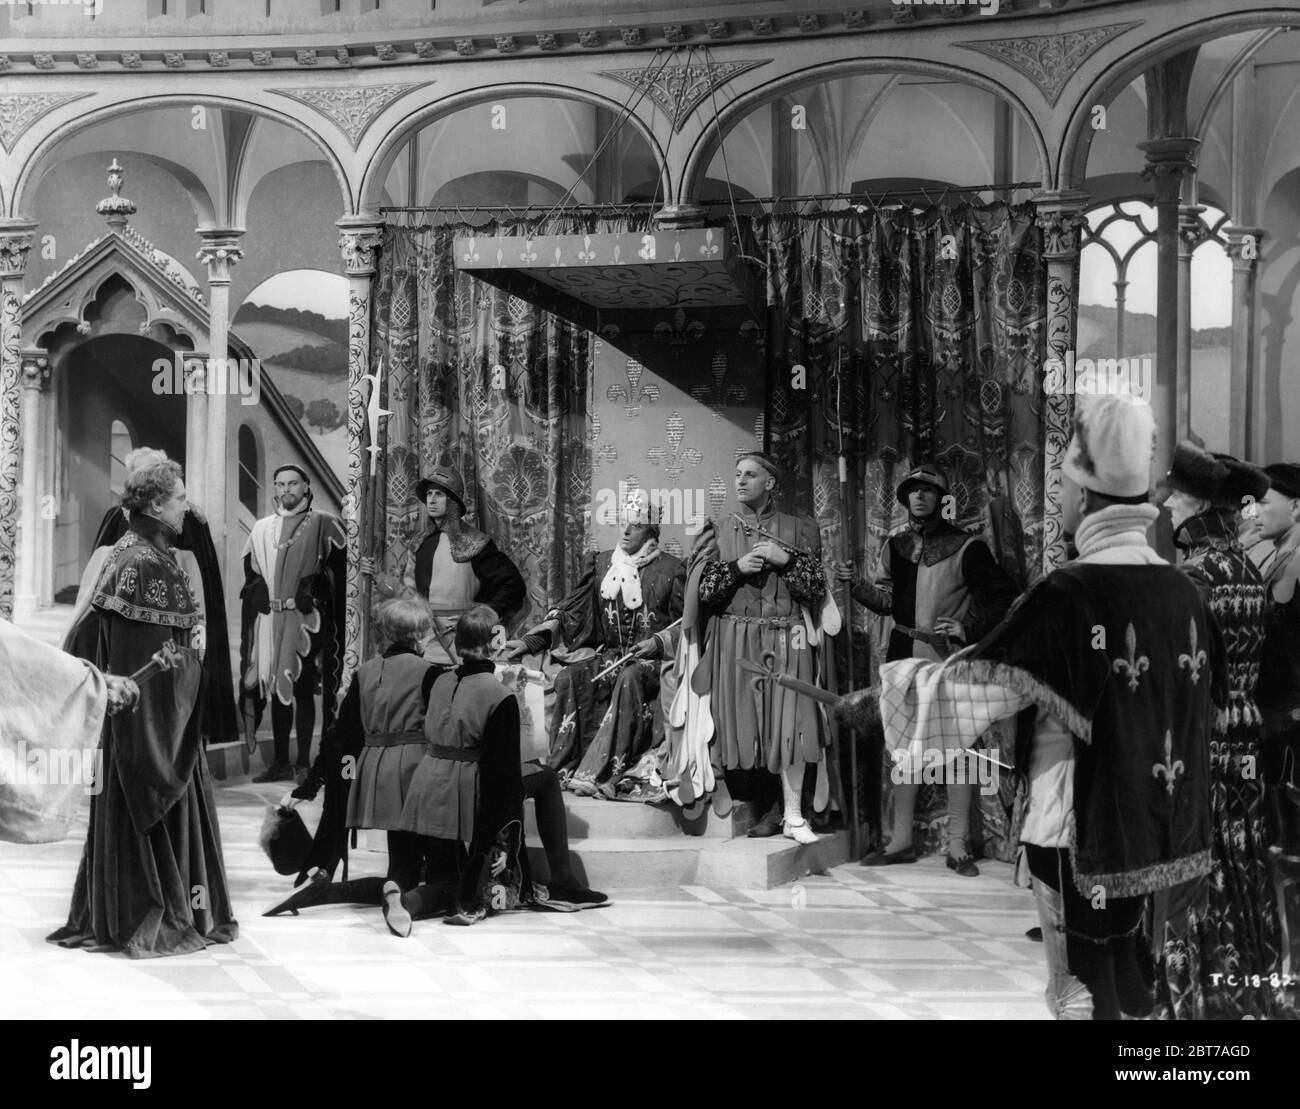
(909, 942)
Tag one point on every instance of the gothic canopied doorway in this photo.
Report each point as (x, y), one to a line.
(105, 385)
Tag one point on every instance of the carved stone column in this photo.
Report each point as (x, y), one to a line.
(1168, 162)
(219, 252)
(1060, 215)
(1245, 424)
(195, 379)
(15, 242)
(35, 385)
(1191, 234)
(359, 239)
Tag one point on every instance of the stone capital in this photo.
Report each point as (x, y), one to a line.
(677, 217)
(1192, 231)
(194, 367)
(359, 239)
(35, 370)
(1244, 245)
(1060, 215)
(16, 236)
(219, 251)
(1168, 162)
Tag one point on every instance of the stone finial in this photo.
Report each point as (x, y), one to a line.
(115, 208)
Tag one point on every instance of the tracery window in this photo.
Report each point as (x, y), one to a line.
(1117, 302)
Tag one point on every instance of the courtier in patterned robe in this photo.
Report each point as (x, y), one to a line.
(292, 620)
(454, 566)
(629, 600)
(1213, 935)
(197, 556)
(757, 592)
(1278, 690)
(151, 881)
(1118, 667)
(944, 588)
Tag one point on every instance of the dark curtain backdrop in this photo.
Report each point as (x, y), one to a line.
(920, 335)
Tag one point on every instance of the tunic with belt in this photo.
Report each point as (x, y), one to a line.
(754, 615)
(935, 570)
(468, 785)
(392, 693)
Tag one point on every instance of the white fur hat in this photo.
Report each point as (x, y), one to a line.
(1112, 447)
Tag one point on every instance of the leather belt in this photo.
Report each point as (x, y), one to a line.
(453, 754)
(286, 605)
(394, 739)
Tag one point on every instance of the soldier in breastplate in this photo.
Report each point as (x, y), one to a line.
(455, 567)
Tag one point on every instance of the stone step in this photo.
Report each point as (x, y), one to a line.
(613, 864)
(768, 863)
(592, 818)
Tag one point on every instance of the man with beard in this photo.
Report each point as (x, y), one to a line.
(294, 570)
(944, 589)
(1115, 667)
(629, 601)
(152, 881)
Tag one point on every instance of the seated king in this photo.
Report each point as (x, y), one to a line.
(627, 608)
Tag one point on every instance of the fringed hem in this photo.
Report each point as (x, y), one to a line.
(1044, 696)
(1144, 880)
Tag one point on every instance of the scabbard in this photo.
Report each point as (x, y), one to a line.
(807, 689)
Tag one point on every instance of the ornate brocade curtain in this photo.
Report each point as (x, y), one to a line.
(490, 384)
(938, 320)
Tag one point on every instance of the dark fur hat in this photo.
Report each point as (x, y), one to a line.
(285, 839)
(1243, 480)
(1197, 473)
(1285, 478)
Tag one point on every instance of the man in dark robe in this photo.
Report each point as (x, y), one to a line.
(292, 620)
(152, 881)
(629, 601)
(1116, 667)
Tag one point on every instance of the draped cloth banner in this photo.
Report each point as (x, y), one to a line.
(935, 319)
